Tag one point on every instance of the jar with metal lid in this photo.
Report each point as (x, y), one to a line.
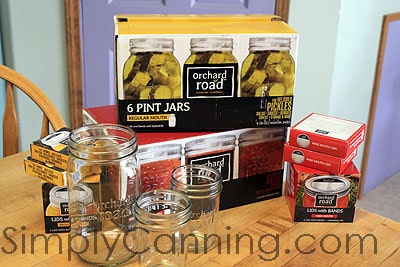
(211, 70)
(156, 164)
(269, 68)
(151, 71)
(326, 191)
(217, 152)
(261, 151)
(58, 206)
(102, 157)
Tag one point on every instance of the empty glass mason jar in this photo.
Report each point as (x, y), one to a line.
(103, 159)
(162, 225)
(203, 185)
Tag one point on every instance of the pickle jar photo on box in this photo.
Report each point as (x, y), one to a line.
(103, 184)
(269, 68)
(211, 70)
(151, 71)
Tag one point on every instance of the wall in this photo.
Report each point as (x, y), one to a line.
(33, 34)
(337, 56)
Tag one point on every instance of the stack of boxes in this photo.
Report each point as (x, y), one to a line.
(48, 162)
(236, 85)
(322, 179)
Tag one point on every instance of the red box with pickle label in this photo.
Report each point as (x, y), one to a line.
(317, 196)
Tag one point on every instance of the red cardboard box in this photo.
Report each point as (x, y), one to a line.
(328, 135)
(250, 161)
(317, 160)
(317, 196)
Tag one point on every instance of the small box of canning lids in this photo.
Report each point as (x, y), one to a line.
(317, 160)
(328, 135)
(318, 196)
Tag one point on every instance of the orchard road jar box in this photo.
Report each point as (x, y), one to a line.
(249, 159)
(204, 72)
(318, 196)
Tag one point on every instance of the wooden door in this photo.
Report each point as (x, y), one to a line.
(90, 32)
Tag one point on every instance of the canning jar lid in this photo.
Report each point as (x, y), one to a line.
(261, 135)
(269, 43)
(159, 152)
(216, 142)
(327, 185)
(59, 195)
(151, 44)
(211, 44)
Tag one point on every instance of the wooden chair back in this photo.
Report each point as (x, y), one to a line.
(51, 115)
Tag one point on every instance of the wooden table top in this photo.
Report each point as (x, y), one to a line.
(259, 234)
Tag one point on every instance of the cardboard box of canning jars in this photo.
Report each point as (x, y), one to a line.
(204, 72)
(318, 196)
(250, 161)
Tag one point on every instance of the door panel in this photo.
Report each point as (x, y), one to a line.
(98, 31)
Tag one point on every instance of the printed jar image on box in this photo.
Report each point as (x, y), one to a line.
(216, 152)
(156, 163)
(315, 195)
(55, 208)
(260, 151)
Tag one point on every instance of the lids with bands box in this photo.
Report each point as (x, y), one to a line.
(328, 135)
